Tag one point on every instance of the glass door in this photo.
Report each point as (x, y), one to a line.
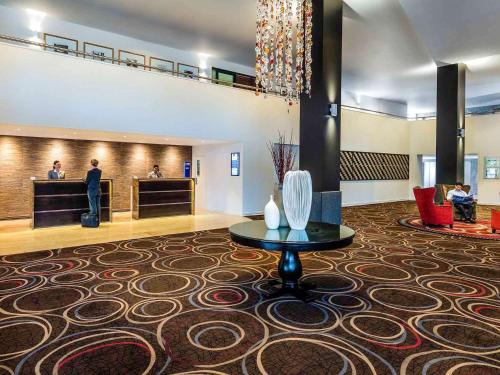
(428, 171)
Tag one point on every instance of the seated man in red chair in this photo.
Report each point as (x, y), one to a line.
(462, 201)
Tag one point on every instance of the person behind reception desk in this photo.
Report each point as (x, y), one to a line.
(56, 173)
(155, 173)
(93, 182)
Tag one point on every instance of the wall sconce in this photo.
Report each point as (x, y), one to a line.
(333, 109)
(461, 133)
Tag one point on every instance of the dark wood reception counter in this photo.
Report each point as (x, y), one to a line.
(61, 202)
(162, 197)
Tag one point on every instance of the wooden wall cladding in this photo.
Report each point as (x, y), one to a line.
(23, 157)
(364, 166)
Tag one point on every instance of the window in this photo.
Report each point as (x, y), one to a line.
(428, 171)
(492, 167)
(229, 78)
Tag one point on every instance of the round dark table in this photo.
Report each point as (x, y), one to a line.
(316, 237)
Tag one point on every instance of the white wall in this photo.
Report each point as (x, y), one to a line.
(482, 137)
(48, 89)
(223, 192)
(16, 22)
(373, 133)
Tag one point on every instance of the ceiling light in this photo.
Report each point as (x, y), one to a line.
(35, 19)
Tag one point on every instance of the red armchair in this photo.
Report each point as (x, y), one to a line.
(430, 213)
(495, 220)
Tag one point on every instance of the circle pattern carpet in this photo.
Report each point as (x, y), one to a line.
(397, 301)
(480, 230)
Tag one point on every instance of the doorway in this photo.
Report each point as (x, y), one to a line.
(200, 182)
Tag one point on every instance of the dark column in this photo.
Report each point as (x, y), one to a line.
(320, 132)
(450, 146)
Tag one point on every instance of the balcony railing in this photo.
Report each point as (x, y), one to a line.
(67, 51)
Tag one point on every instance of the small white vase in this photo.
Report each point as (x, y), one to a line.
(297, 198)
(272, 215)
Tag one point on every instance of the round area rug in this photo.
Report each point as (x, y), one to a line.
(481, 229)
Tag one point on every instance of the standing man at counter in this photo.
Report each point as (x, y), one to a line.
(155, 173)
(93, 182)
(56, 173)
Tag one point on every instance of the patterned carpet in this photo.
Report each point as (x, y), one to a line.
(480, 230)
(397, 301)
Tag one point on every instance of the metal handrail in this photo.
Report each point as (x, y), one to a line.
(124, 62)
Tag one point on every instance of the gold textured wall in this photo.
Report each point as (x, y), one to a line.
(23, 157)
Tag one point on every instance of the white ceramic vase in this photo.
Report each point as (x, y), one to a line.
(297, 198)
(272, 215)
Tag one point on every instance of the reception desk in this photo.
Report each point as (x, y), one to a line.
(61, 202)
(162, 197)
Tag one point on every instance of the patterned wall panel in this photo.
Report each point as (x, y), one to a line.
(362, 166)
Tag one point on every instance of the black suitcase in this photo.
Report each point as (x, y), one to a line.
(89, 220)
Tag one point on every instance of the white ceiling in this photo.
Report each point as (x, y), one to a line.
(391, 47)
(92, 135)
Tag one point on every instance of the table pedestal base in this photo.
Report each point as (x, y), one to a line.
(290, 271)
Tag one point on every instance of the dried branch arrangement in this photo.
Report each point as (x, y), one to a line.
(283, 155)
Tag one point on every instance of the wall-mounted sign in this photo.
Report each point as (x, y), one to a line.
(492, 167)
(187, 169)
(235, 164)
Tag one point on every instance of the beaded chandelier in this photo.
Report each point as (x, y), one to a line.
(283, 47)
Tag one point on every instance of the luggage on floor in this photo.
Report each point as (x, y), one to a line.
(89, 220)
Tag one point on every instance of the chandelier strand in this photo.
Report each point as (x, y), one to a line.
(283, 50)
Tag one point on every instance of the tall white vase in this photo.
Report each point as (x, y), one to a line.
(297, 198)
(272, 215)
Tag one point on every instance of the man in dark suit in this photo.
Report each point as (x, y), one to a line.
(93, 182)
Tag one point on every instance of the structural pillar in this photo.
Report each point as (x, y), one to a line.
(450, 124)
(319, 130)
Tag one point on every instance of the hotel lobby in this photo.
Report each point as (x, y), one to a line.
(250, 187)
